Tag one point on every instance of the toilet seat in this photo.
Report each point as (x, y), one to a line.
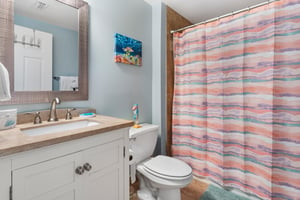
(168, 168)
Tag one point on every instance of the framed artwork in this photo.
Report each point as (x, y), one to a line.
(128, 50)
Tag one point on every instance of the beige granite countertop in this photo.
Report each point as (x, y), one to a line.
(14, 141)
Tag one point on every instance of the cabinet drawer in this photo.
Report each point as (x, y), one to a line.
(50, 178)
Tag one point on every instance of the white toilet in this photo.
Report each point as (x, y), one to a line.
(160, 177)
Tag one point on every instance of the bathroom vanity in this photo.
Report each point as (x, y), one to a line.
(84, 163)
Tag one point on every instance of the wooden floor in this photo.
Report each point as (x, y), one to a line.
(191, 192)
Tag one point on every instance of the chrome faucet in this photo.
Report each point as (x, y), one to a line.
(52, 114)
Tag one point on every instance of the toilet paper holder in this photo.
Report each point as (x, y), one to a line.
(132, 167)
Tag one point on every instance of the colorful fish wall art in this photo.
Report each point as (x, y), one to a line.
(128, 50)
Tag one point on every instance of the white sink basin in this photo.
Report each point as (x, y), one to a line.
(58, 128)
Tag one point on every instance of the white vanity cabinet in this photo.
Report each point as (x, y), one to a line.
(90, 168)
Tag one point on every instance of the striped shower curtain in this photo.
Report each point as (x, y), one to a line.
(236, 108)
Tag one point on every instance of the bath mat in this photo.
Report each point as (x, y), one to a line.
(216, 193)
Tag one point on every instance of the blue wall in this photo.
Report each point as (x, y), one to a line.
(65, 46)
(114, 87)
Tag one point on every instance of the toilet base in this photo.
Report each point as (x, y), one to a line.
(145, 194)
(167, 194)
(163, 194)
(148, 192)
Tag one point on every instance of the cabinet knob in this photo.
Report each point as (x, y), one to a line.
(79, 170)
(87, 167)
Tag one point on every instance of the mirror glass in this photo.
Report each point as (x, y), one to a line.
(45, 46)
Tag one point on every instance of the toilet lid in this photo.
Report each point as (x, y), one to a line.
(168, 166)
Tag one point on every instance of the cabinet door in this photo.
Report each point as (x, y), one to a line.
(50, 180)
(105, 180)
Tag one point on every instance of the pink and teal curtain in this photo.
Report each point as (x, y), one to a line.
(236, 109)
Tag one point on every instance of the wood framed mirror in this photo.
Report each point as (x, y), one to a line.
(8, 40)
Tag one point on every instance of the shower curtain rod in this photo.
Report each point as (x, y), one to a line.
(226, 15)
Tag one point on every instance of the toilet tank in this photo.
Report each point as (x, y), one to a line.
(142, 141)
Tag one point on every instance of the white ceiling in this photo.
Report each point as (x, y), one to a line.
(199, 10)
(55, 13)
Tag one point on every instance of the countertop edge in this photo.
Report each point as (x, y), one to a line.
(64, 138)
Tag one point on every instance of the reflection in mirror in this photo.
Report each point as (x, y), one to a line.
(45, 46)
